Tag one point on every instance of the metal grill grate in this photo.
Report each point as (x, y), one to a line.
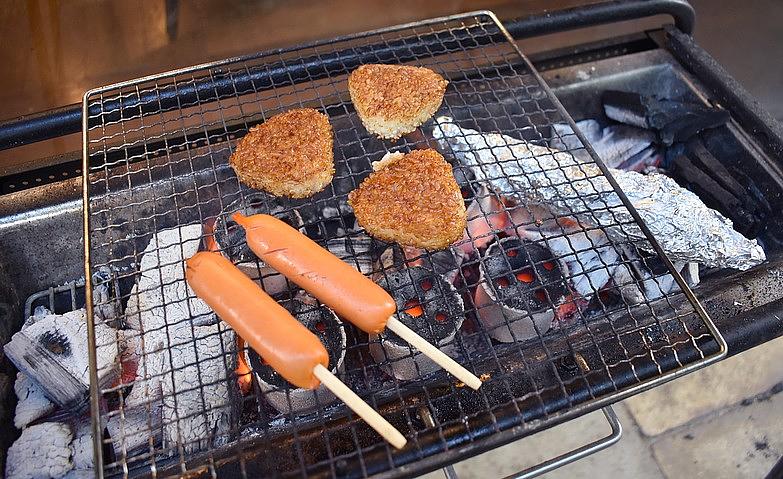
(156, 150)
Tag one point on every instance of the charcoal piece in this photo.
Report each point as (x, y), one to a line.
(625, 107)
(43, 450)
(278, 392)
(697, 169)
(467, 183)
(81, 446)
(615, 145)
(53, 352)
(428, 304)
(674, 121)
(230, 238)
(132, 428)
(197, 386)
(161, 304)
(712, 193)
(32, 402)
(521, 285)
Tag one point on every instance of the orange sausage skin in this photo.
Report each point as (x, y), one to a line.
(335, 283)
(282, 341)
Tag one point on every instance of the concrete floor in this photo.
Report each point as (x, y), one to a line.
(720, 422)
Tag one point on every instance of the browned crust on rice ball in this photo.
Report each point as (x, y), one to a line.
(290, 154)
(394, 100)
(412, 200)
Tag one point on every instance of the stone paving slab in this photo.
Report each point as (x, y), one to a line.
(631, 457)
(716, 387)
(742, 442)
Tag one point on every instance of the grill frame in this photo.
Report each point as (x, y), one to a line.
(498, 438)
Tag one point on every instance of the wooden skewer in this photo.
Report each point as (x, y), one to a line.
(440, 358)
(357, 405)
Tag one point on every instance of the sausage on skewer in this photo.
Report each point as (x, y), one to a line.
(336, 284)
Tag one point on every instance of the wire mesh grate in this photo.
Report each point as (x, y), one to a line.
(507, 305)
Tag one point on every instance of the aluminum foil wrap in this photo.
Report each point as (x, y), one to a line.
(686, 229)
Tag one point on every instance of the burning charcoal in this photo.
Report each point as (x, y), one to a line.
(53, 351)
(675, 121)
(133, 428)
(534, 174)
(197, 399)
(278, 392)
(446, 262)
(429, 305)
(41, 451)
(33, 403)
(355, 250)
(487, 217)
(615, 145)
(521, 283)
(230, 238)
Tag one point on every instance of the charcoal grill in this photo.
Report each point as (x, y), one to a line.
(140, 181)
(550, 379)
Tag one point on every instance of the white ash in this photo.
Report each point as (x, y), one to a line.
(71, 329)
(80, 474)
(160, 304)
(162, 282)
(132, 428)
(41, 451)
(182, 363)
(33, 403)
(39, 313)
(106, 306)
(197, 400)
(149, 373)
(590, 258)
(81, 446)
(330, 212)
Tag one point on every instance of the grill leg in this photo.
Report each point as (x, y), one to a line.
(576, 454)
(559, 461)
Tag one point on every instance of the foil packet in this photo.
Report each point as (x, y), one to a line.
(686, 229)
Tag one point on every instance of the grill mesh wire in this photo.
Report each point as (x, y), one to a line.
(157, 150)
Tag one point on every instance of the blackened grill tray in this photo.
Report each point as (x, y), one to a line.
(156, 150)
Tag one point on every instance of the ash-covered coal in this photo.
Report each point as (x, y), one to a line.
(322, 322)
(427, 303)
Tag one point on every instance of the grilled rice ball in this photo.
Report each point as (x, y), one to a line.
(411, 199)
(290, 154)
(393, 100)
